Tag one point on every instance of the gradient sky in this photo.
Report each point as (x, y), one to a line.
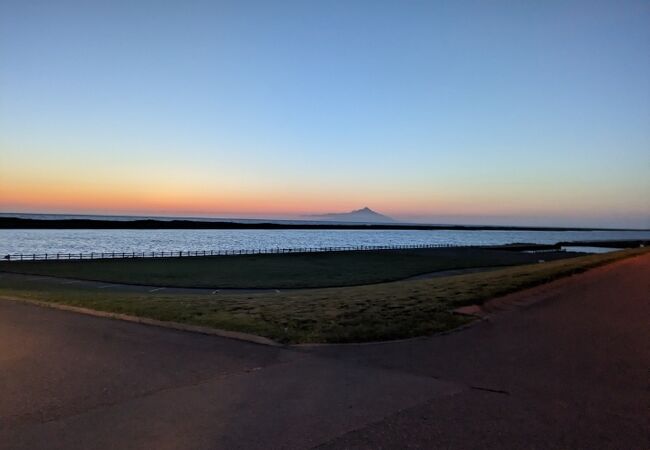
(469, 112)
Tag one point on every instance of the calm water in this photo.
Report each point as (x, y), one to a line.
(76, 241)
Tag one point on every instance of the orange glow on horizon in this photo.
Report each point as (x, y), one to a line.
(95, 200)
(228, 196)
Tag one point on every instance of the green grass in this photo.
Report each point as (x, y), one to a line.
(350, 314)
(276, 271)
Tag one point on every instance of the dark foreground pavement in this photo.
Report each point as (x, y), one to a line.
(566, 365)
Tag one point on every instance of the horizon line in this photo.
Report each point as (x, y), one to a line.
(315, 223)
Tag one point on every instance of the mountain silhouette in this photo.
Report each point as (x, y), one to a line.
(364, 215)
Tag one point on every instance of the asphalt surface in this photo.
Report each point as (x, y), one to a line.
(564, 365)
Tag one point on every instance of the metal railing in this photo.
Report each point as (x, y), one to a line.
(183, 254)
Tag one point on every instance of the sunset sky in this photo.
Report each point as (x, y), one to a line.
(514, 112)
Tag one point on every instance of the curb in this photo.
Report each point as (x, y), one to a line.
(153, 322)
(236, 335)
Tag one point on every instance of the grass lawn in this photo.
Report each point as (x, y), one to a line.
(277, 271)
(348, 314)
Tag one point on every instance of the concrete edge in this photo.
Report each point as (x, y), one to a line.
(253, 338)
(152, 322)
(474, 310)
(476, 320)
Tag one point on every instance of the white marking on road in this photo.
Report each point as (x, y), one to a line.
(215, 291)
(277, 291)
(70, 282)
(104, 287)
(157, 289)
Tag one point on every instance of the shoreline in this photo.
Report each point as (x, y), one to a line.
(176, 224)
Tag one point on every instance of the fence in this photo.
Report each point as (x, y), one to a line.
(182, 254)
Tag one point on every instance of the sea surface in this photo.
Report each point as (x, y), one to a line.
(85, 241)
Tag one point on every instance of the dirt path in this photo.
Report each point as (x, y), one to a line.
(120, 287)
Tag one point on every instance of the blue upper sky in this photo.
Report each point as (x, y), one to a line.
(492, 112)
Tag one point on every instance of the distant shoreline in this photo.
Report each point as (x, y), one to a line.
(175, 224)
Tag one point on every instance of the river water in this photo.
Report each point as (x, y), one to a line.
(78, 241)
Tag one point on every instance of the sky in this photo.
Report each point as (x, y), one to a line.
(491, 112)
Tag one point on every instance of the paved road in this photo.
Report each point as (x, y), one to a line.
(565, 365)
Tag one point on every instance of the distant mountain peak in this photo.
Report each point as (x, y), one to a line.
(363, 215)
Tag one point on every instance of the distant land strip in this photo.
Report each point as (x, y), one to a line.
(151, 224)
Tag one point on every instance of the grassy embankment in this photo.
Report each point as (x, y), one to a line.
(350, 314)
(277, 271)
